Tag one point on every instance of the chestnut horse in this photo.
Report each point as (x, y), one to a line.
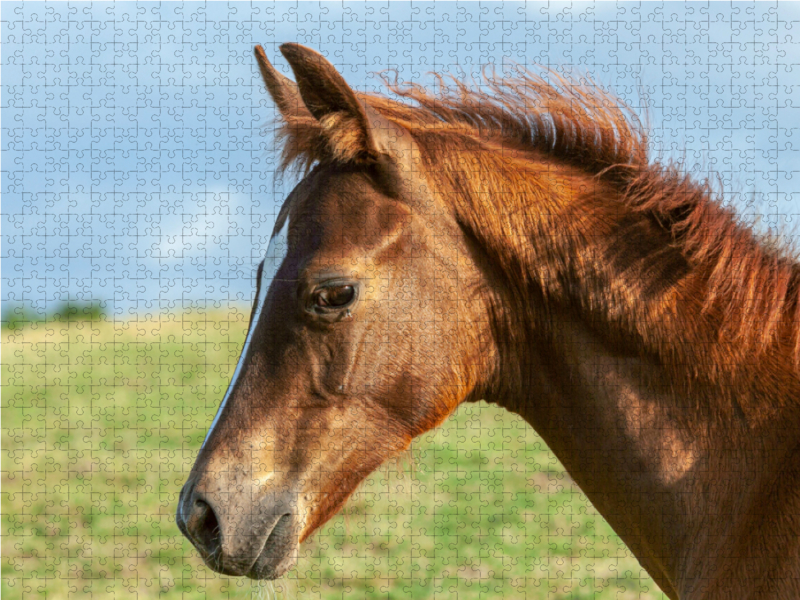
(515, 245)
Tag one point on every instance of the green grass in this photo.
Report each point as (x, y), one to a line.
(101, 424)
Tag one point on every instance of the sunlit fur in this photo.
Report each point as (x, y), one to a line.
(612, 301)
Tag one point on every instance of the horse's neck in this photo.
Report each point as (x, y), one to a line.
(675, 453)
(676, 493)
(611, 428)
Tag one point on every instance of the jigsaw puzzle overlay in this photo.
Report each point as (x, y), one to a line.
(139, 194)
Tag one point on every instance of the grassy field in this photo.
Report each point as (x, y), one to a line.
(101, 422)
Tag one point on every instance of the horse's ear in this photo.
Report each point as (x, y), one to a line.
(283, 90)
(353, 129)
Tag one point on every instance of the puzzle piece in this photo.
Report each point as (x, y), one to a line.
(141, 186)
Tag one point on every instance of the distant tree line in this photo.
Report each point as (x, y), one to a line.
(23, 315)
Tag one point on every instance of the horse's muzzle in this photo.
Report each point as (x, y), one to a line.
(257, 539)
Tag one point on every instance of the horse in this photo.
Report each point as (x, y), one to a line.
(516, 244)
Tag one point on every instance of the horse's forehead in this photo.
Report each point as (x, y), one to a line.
(332, 201)
(334, 189)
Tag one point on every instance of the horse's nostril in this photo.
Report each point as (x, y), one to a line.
(206, 530)
(280, 536)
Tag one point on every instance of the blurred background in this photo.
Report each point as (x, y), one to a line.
(138, 195)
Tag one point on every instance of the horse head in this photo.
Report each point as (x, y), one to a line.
(363, 333)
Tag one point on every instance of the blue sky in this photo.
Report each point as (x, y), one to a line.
(135, 166)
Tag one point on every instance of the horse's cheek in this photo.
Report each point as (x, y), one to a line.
(338, 378)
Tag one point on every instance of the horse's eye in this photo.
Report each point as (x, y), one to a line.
(334, 297)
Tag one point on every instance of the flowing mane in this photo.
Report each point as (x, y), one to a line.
(750, 287)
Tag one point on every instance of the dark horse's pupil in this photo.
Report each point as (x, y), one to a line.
(338, 296)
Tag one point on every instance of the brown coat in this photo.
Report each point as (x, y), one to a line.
(518, 246)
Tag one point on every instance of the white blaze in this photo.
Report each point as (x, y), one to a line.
(276, 253)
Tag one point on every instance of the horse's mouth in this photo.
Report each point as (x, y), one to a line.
(265, 554)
